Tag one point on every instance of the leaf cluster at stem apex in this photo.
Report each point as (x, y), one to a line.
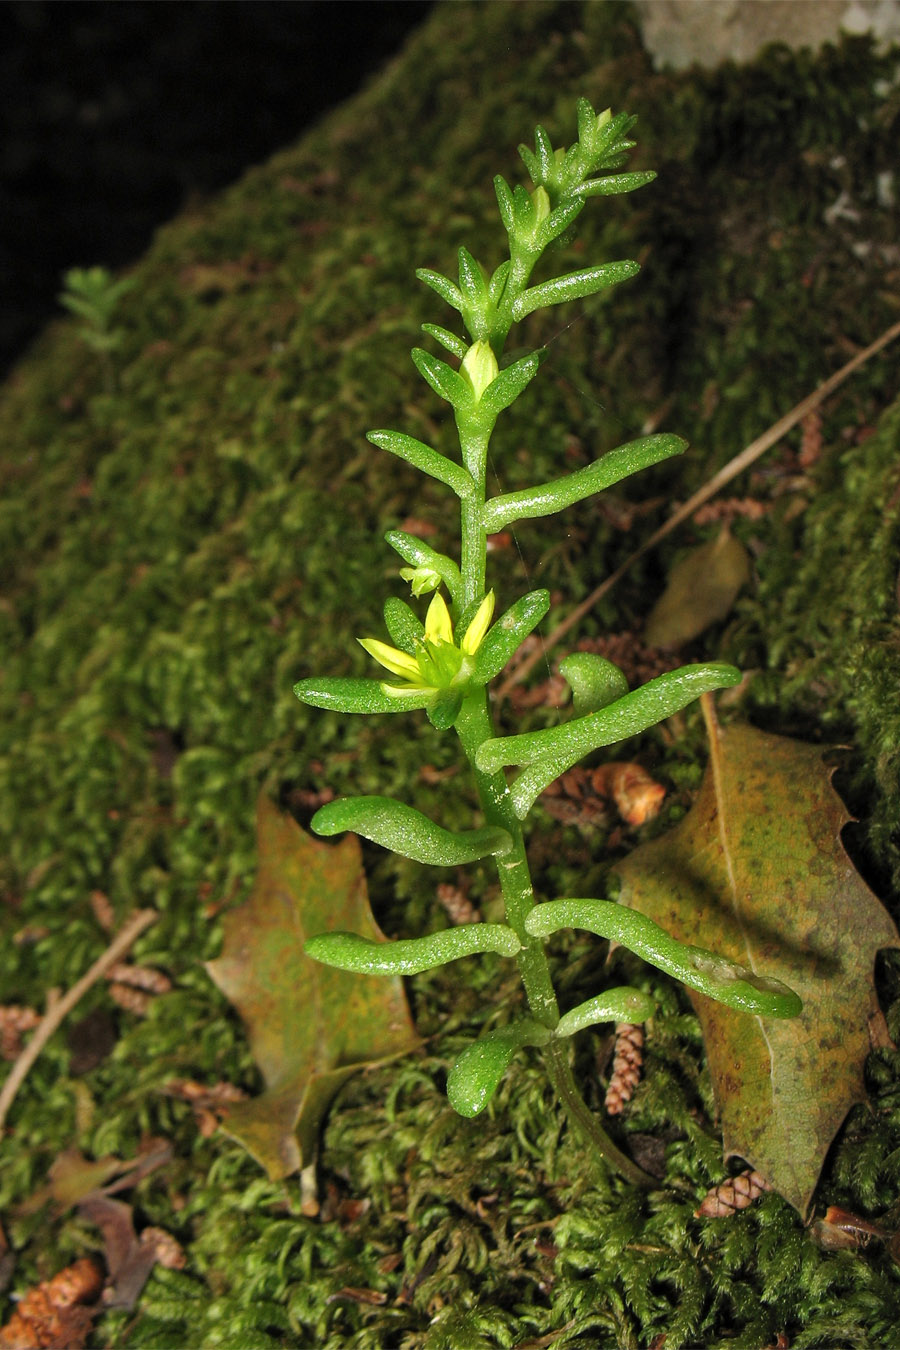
(489, 303)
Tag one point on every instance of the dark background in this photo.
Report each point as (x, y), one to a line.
(114, 115)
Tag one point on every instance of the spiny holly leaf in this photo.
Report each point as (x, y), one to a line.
(310, 1027)
(757, 872)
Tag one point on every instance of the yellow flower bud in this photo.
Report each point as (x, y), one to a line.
(480, 367)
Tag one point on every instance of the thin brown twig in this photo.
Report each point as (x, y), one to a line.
(59, 1009)
(731, 470)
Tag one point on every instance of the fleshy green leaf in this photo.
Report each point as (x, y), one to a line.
(508, 385)
(573, 286)
(498, 283)
(425, 458)
(505, 636)
(524, 208)
(505, 204)
(531, 162)
(408, 832)
(354, 696)
(471, 277)
(544, 148)
(406, 629)
(699, 969)
(613, 184)
(349, 951)
(445, 288)
(559, 220)
(594, 681)
(444, 380)
(587, 120)
(552, 751)
(419, 554)
(624, 1004)
(474, 1078)
(608, 469)
(449, 341)
(443, 711)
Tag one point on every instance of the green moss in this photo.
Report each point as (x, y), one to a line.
(180, 550)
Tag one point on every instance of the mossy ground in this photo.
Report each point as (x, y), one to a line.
(181, 547)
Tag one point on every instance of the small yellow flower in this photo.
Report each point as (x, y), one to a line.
(481, 622)
(438, 662)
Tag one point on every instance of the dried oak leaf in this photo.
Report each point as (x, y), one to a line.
(701, 590)
(90, 1184)
(757, 873)
(310, 1027)
(128, 1260)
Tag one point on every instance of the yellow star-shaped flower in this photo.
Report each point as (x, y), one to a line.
(438, 662)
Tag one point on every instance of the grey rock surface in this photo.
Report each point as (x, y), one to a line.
(679, 33)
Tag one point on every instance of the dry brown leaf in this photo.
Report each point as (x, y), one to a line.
(310, 1026)
(757, 873)
(701, 590)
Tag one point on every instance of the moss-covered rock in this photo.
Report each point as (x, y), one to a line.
(184, 540)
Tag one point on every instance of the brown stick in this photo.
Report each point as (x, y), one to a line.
(58, 1009)
(703, 494)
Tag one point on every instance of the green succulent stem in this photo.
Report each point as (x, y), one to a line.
(474, 545)
(560, 1072)
(474, 726)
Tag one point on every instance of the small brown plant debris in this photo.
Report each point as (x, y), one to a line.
(14, 1020)
(734, 1194)
(729, 509)
(167, 1250)
(135, 1001)
(582, 796)
(458, 906)
(311, 798)
(550, 693)
(811, 439)
(135, 987)
(415, 525)
(574, 800)
(52, 1316)
(373, 1297)
(628, 1058)
(431, 775)
(841, 1229)
(103, 911)
(637, 796)
(209, 1101)
(139, 977)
